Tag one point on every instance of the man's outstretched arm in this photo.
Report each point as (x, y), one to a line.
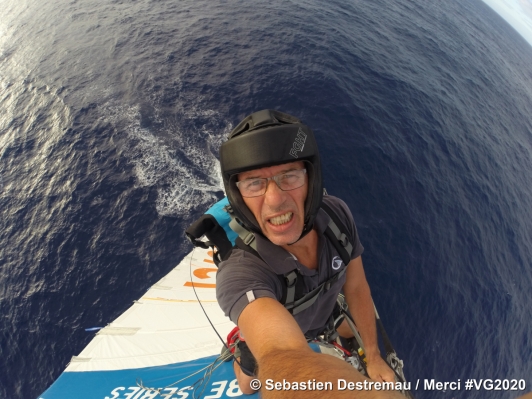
(282, 352)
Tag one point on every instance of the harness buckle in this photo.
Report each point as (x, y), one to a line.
(248, 239)
(291, 279)
(343, 240)
(228, 209)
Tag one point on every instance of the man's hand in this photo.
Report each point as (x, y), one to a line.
(379, 370)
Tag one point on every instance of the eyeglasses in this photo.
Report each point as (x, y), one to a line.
(286, 181)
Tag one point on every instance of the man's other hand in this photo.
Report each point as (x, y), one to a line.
(379, 370)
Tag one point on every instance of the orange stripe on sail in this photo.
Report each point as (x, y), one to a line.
(199, 285)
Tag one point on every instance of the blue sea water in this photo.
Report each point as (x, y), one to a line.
(112, 112)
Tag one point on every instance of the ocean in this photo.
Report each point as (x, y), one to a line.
(112, 113)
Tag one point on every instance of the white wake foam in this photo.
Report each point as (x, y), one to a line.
(181, 164)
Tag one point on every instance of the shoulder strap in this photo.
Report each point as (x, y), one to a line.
(246, 239)
(341, 243)
(307, 300)
(246, 236)
(338, 238)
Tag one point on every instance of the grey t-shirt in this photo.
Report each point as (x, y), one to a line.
(243, 276)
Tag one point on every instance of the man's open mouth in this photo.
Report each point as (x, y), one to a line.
(281, 219)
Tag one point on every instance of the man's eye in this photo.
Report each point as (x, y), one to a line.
(253, 184)
(288, 177)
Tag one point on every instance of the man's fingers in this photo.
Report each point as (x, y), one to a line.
(390, 377)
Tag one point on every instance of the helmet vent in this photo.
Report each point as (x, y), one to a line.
(264, 117)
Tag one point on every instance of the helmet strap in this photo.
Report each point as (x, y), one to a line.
(303, 234)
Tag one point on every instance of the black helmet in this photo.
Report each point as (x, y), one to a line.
(267, 138)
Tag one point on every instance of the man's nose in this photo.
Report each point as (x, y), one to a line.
(273, 195)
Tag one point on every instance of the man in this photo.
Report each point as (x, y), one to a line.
(272, 177)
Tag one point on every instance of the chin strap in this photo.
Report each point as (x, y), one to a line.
(303, 234)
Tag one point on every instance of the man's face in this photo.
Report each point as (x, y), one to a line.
(280, 214)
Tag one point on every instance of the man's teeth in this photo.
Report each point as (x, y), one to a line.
(282, 219)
